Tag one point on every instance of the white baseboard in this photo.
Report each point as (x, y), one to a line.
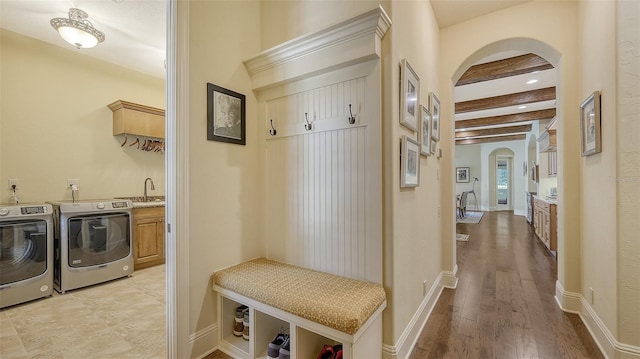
(609, 346)
(448, 279)
(204, 341)
(520, 212)
(411, 333)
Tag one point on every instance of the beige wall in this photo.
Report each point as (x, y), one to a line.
(55, 123)
(469, 156)
(413, 248)
(599, 212)
(226, 195)
(519, 28)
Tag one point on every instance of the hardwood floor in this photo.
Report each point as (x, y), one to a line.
(504, 305)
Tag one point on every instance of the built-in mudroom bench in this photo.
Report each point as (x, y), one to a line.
(319, 105)
(313, 307)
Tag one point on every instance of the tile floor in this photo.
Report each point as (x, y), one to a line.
(124, 318)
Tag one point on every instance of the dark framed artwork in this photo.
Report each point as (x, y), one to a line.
(590, 125)
(462, 174)
(226, 115)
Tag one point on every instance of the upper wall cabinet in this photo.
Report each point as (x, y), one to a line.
(548, 141)
(134, 119)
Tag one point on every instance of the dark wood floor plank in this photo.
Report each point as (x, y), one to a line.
(504, 306)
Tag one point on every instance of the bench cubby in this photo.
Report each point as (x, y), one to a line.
(360, 320)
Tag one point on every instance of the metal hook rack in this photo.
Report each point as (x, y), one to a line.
(352, 118)
(272, 131)
(307, 126)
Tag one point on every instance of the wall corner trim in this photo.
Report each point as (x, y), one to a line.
(354, 40)
(575, 303)
(448, 279)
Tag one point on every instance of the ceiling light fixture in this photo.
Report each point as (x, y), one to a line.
(532, 81)
(77, 30)
(522, 107)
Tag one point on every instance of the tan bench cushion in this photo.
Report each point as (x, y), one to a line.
(337, 302)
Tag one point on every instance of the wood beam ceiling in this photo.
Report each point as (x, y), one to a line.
(504, 68)
(513, 118)
(494, 131)
(514, 99)
(472, 141)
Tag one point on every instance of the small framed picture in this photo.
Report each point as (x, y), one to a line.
(590, 125)
(434, 108)
(225, 115)
(462, 174)
(409, 162)
(433, 146)
(424, 134)
(409, 96)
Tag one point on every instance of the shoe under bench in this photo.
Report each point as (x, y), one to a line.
(315, 308)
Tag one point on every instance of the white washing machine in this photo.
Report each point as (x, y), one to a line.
(92, 242)
(26, 253)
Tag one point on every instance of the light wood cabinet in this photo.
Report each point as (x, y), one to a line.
(134, 119)
(545, 222)
(148, 237)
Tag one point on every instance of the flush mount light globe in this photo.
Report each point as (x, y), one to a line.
(77, 30)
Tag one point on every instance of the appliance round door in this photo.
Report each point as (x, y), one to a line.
(23, 250)
(98, 239)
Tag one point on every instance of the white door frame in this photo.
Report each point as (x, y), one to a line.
(177, 179)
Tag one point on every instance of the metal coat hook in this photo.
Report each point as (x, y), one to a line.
(307, 126)
(352, 118)
(272, 131)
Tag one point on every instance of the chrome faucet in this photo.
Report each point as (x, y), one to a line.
(144, 199)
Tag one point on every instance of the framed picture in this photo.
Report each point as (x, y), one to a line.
(590, 125)
(409, 96)
(433, 146)
(462, 174)
(434, 108)
(225, 115)
(409, 163)
(424, 135)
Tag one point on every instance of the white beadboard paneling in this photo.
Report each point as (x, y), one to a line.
(327, 108)
(317, 210)
(324, 186)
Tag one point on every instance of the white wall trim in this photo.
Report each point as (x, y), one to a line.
(606, 341)
(411, 333)
(448, 279)
(177, 179)
(205, 337)
(354, 40)
(520, 212)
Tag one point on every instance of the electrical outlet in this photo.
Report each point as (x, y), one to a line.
(13, 182)
(591, 295)
(424, 288)
(72, 182)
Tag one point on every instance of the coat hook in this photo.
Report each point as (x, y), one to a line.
(352, 118)
(272, 131)
(307, 126)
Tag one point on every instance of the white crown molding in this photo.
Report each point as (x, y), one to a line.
(352, 41)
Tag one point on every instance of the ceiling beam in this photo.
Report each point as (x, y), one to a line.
(494, 131)
(512, 66)
(513, 118)
(472, 141)
(514, 99)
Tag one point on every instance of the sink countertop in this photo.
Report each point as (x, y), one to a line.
(152, 201)
(148, 204)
